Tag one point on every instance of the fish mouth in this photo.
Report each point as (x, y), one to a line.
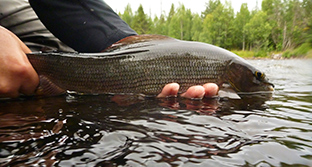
(270, 86)
(265, 87)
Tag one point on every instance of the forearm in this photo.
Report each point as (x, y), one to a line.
(5, 34)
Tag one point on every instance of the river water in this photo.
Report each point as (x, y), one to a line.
(257, 130)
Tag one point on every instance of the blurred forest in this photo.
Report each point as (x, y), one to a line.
(280, 27)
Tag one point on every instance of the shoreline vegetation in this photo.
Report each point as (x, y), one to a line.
(289, 54)
(275, 29)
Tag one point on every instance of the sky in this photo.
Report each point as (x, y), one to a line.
(154, 7)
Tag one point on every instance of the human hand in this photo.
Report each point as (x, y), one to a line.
(16, 73)
(198, 91)
(172, 89)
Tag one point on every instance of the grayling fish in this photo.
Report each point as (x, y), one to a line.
(144, 64)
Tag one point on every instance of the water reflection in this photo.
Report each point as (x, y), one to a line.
(95, 130)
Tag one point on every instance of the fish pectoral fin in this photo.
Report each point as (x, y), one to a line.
(228, 93)
(48, 88)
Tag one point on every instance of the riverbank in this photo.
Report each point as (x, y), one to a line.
(288, 54)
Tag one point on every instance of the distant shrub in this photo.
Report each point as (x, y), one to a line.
(309, 54)
(244, 54)
(261, 53)
(300, 51)
(287, 54)
(304, 50)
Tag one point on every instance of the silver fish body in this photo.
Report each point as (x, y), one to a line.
(143, 64)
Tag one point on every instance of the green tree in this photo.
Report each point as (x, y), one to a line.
(295, 24)
(210, 7)
(258, 30)
(286, 40)
(187, 25)
(180, 24)
(171, 13)
(174, 27)
(307, 5)
(218, 26)
(141, 22)
(197, 27)
(185, 18)
(127, 16)
(279, 25)
(242, 18)
(288, 20)
(207, 35)
(160, 25)
(275, 10)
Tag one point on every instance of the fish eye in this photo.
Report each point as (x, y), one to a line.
(259, 75)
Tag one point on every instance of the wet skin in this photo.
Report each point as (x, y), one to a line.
(197, 91)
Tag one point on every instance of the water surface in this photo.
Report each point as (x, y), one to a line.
(257, 130)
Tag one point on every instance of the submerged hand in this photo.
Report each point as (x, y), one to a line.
(172, 89)
(16, 73)
(198, 91)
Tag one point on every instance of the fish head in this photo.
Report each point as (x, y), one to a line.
(245, 78)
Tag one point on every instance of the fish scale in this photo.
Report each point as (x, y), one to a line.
(136, 66)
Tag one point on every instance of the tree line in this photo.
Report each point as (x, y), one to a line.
(278, 26)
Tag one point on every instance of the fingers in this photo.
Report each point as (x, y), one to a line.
(16, 73)
(171, 89)
(30, 80)
(211, 89)
(198, 91)
(16, 79)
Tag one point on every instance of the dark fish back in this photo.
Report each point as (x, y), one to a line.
(135, 69)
